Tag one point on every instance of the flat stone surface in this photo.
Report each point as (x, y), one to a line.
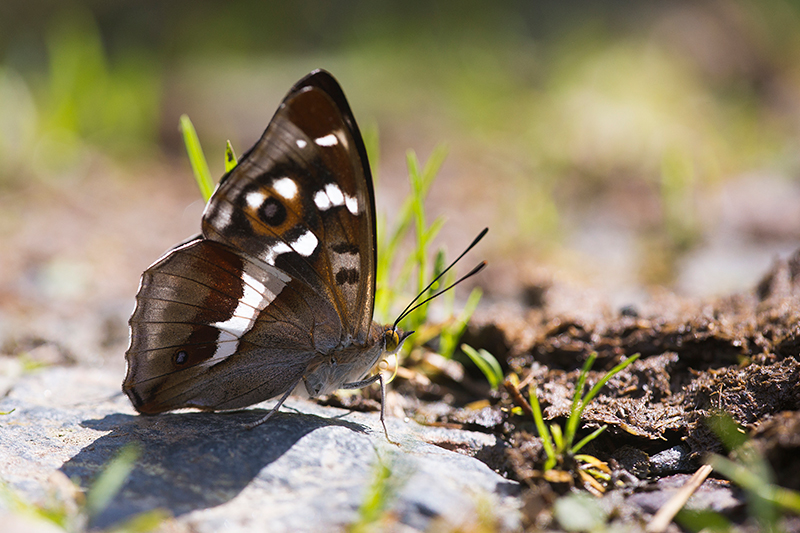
(309, 468)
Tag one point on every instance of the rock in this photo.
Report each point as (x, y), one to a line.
(633, 460)
(308, 468)
(674, 460)
(714, 494)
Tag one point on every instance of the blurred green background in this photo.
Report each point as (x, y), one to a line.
(628, 143)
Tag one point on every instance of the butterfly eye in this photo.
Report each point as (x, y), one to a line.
(391, 340)
(181, 357)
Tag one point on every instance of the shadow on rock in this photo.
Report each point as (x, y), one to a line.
(188, 461)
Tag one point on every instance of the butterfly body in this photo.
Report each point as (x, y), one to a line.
(279, 288)
(350, 363)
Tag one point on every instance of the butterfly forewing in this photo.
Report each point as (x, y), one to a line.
(301, 200)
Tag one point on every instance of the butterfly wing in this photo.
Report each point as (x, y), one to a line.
(283, 273)
(301, 200)
(202, 338)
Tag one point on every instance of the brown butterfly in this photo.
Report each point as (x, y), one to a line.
(279, 288)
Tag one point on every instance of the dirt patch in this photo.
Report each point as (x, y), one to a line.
(736, 355)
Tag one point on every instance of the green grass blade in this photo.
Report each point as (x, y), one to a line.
(196, 158)
(411, 214)
(143, 522)
(487, 363)
(418, 211)
(375, 502)
(372, 144)
(434, 164)
(787, 499)
(732, 435)
(582, 378)
(703, 520)
(761, 494)
(587, 439)
(611, 373)
(420, 260)
(421, 181)
(376, 507)
(544, 433)
(439, 264)
(578, 404)
(451, 334)
(111, 480)
(741, 475)
(558, 438)
(577, 409)
(230, 157)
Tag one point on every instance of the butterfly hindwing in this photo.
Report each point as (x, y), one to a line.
(301, 200)
(202, 338)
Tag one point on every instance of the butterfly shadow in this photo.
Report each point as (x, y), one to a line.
(188, 461)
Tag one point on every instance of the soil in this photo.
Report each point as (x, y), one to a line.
(665, 414)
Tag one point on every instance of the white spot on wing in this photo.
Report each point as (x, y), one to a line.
(352, 204)
(327, 140)
(335, 194)
(331, 196)
(322, 201)
(274, 251)
(301, 143)
(286, 187)
(221, 216)
(305, 244)
(255, 198)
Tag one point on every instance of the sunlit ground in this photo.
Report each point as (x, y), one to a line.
(628, 150)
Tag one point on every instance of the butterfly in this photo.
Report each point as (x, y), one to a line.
(279, 287)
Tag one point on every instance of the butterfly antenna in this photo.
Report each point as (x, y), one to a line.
(471, 273)
(411, 307)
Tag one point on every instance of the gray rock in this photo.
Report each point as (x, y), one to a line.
(672, 461)
(308, 468)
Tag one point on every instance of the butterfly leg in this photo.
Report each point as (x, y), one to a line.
(273, 410)
(369, 381)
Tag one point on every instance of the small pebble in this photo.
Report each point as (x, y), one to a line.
(672, 461)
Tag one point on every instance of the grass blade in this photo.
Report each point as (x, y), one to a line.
(588, 438)
(196, 157)
(578, 404)
(487, 363)
(111, 480)
(451, 334)
(611, 373)
(230, 157)
(544, 433)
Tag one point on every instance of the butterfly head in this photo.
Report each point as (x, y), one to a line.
(393, 339)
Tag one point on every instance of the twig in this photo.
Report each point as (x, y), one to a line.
(516, 395)
(664, 516)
